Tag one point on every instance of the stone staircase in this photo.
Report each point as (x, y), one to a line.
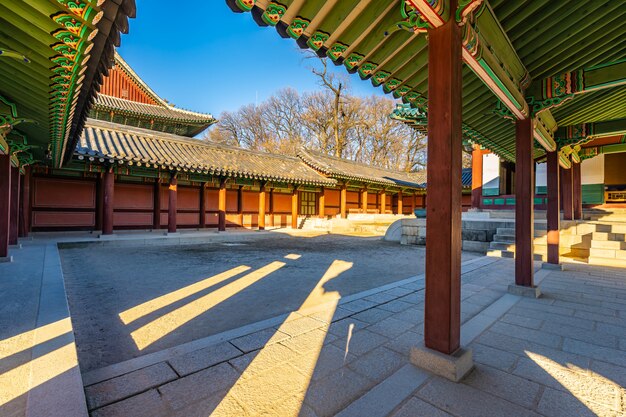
(503, 243)
(608, 246)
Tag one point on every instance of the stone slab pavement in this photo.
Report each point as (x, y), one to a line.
(561, 355)
(129, 301)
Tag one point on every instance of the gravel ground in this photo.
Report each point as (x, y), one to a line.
(104, 282)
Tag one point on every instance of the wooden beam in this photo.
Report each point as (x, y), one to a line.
(172, 207)
(524, 202)
(584, 133)
(271, 207)
(364, 200)
(25, 203)
(566, 194)
(156, 205)
(477, 176)
(5, 203)
(221, 206)
(294, 208)
(553, 91)
(554, 211)
(342, 201)
(15, 206)
(577, 194)
(442, 323)
(108, 189)
(202, 208)
(261, 221)
(240, 204)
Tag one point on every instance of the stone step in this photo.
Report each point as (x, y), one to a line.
(607, 253)
(511, 254)
(509, 231)
(601, 236)
(596, 260)
(608, 244)
(382, 399)
(501, 245)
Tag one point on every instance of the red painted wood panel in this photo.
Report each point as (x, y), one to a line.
(212, 219)
(211, 199)
(231, 201)
(282, 203)
(132, 219)
(188, 198)
(250, 201)
(352, 197)
(332, 197)
(232, 220)
(63, 219)
(118, 84)
(64, 193)
(133, 196)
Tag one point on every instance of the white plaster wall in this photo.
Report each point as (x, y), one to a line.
(592, 170)
(541, 175)
(491, 171)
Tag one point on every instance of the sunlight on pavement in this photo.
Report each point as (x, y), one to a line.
(595, 391)
(293, 256)
(19, 373)
(269, 386)
(23, 341)
(153, 305)
(167, 323)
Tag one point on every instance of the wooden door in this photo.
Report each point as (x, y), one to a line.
(308, 206)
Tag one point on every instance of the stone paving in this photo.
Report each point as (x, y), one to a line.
(561, 355)
(130, 301)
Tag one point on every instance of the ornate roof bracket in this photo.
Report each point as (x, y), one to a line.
(544, 127)
(491, 56)
(553, 91)
(434, 12)
(583, 133)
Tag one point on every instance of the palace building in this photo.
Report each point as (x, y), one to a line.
(137, 166)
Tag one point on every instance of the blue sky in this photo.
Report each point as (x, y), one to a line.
(209, 59)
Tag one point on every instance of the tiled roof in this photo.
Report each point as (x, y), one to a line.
(167, 112)
(349, 170)
(142, 147)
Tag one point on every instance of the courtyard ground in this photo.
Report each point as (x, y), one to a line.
(130, 301)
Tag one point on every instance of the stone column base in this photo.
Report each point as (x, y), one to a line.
(4, 259)
(16, 246)
(530, 292)
(171, 234)
(552, 267)
(453, 367)
(107, 237)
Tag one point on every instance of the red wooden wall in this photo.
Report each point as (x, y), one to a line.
(118, 84)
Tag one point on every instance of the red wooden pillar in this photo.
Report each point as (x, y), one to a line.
(25, 203)
(566, 194)
(524, 202)
(221, 206)
(108, 188)
(423, 201)
(413, 204)
(173, 204)
(322, 203)
(577, 192)
(294, 208)
(202, 191)
(477, 176)
(383, 202)
(271, 196)
(5, 205)
(99, 202)
(240, 204)
(262, 207)
(342, 201)
(400, 202)
(156, 211)
(364, 200)
(554, 212)
(442, 325)
(15, 205)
